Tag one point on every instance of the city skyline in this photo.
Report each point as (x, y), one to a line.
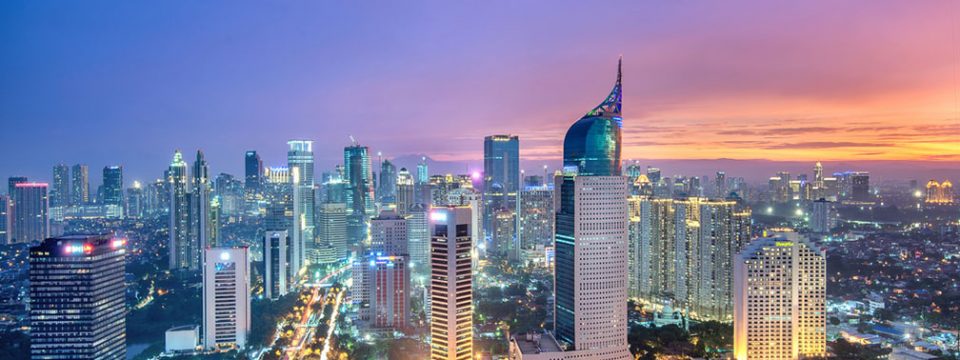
(869, 83)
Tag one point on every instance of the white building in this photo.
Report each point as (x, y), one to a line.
(780, 299)
(451, 290)
(226, 298)
(181, 339)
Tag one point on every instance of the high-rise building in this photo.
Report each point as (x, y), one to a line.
(390, 292)
(681, 253)
(721, 185)
(201, 221)
(591, 239)
(821, 216)
(28, 213)
(81, 184)
(422, 182)
(226, 298)
(113, 185)
(300, 161)
(501, 178)
(60, 190)
(360, 197)
(780, 299)
(13, 181)
(4, 218)
(333, 228)
(537, 217)
(275, 258)
(451, 289)
(418, 235)
(387, 187)
(134, 201)
(502, 241)
(405, 192)
(77, 303)
(184, 249)
(388, 234)
(253, 171)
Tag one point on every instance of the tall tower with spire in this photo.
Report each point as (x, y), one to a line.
(591, 236)
(184, 249)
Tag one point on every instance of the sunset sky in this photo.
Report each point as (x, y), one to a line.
(121, 83)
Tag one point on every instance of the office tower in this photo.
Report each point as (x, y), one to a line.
(275, 258)
(226, 298)
(821, 217)
(388, 234)
(184, 249)
(230, 191)
(297, 234)
(81, 184)
(28, 217)
(112, 185)
(451, 290)
(721, 185)
(422, 183)
(134, 201)
(300, 162)
(360, 200)
(387, 187)
(418, 235)
(77, 304)
(405, 192)
(333, 228)
(253, 171)
(591, 239)
(501, 178)
(201, 226)
(780, 297)
(60, 190)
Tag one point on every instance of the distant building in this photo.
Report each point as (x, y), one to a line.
(333, 228)
(275, 269)
(80, 193)
(253, 171)
(201, 220)
(939, 193)
(501, 178)
(406, 195)
(113, 186)
(184, 249)
(60, 190)
(451, 290)
(226, 298)
(780, 299)
(822, 218)
(387, 187)
(360, 193)
(89, 320)
(28, 213)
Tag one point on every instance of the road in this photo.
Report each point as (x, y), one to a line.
(305, 327)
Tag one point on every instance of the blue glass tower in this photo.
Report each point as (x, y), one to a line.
(590, 148)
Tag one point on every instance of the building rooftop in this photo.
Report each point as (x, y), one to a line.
(536, 343)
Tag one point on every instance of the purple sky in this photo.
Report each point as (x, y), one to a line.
(126, 83)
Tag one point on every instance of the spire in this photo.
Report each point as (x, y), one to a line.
(610, 107)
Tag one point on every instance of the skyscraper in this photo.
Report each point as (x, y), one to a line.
(451, 290)
(87, 321)
(184, 249)
(821, 216)
(721, 185)
(201, 221)
(333, 228)
(591, 240)
(422, 182)
(134, 201)
(253, 171)
(386, 282)
(226, 298)
(501, 180)
(780, 299)
(60, 190)
(418, 235)
(359, 179)
(29, 214)
(113, 185)
(388, 234)
(405, 192)
(80, 193)
(300, 161)
(387, 187)
(275, 269)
